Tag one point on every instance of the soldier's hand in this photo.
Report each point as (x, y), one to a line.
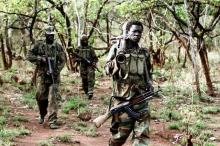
(42, 59)
(94, 64)
(150, 87)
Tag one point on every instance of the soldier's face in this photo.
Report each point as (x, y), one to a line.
(135, 33)
(49, 38)
(84, 42)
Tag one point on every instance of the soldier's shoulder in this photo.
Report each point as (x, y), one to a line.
(58, 45)
(37, 43)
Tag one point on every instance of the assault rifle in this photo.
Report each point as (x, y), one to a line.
(125, 106)
(50, 69)
(86, 61)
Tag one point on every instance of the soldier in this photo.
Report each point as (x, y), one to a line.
(46, 54)
(87, 71)
(130, 67)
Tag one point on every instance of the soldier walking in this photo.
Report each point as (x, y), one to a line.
(49, 57)
(130, 68)
(87, 68)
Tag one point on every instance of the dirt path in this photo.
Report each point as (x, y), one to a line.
(160, 136)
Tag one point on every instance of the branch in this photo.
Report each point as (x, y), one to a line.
(97, 18)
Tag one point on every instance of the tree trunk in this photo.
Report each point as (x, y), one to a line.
(8, 46)
(185, 59)
(4, 60)
(107, 31)
(150, 32)
(24, 44)
(205, 65)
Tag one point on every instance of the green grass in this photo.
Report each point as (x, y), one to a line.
(19, 118)
(7, 135)
(65, 138)
(3, 120)
(85, 128)
(174, 126)
(74, 103)
(45, 143)
(210, 110)
(29, 99)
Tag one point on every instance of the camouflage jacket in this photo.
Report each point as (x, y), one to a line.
(129, 77)
(87, 53)
(40, 50)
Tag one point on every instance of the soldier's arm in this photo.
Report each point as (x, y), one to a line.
(33, 55)
(94, 57)
(110, 61)
(61, 58)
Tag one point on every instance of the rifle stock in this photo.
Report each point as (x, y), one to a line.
(101, 119)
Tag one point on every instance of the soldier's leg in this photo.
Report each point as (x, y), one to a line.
(125, 127)
(42, 99)
(91, 82)
(141, 129)
(54, 103)
(83, 74)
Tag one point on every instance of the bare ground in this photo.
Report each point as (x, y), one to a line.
(160, 135)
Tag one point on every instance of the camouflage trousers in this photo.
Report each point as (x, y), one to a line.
(123, 126)
(48, 99)
(88, 79)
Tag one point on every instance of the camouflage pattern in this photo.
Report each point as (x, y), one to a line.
(87, 72)
(47, 95)
(129, 79)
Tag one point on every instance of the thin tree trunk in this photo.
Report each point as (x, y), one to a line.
(150, 32)
(24, 44)
(85, 17)
(4, 60)
(8, 46)
(205, 65)
(185, 59)
(97, 18)
(178, 54)
(107, 30)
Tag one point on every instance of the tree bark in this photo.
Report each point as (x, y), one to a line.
(205, 65)
(4, 60)
(8, 46)
(97, 18)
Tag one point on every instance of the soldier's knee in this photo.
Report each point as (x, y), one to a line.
(113, 142)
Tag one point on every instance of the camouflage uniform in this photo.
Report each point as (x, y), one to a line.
(87, 72)
(130, 79)
(48, 93)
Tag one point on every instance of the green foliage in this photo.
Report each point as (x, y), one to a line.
(74, 103)
(175, 125)
(65, 138)
(45, 143)
(3, 120)
(19, 118)
(205, 135)
(210, 110)
(83, 127)
(7, 134)
(29, 99)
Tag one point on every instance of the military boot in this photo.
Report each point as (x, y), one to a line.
(41, 120)
(54, 126)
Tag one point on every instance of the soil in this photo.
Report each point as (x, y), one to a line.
(160, 135)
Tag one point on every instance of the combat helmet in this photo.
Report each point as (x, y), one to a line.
(49, 30)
